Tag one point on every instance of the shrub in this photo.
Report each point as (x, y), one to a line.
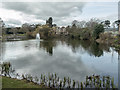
(99, 28)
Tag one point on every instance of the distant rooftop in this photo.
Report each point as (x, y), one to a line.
(111, 29)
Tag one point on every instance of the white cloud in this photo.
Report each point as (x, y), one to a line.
(38, 12)
(60, 1)
(45, 9)
(63, 13)
(12, 17)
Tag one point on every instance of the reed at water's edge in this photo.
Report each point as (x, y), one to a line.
(54, 81)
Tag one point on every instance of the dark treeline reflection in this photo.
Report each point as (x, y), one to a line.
(91, 47)
(48, 46)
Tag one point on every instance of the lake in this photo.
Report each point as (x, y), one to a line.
(73, 58)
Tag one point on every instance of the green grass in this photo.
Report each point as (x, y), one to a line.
(15, 83)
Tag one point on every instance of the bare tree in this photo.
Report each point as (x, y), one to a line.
(82, 24)
(92, 23)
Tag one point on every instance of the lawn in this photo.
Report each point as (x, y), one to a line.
(15, 83)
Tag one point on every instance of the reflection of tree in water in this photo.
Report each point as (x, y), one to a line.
(119, 55)
(48, 46)
(74, 44)
(119, 69)
(96, 50)
(105, 47)
(2, 50)
(93, 48)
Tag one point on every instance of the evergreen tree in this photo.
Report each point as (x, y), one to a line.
(99, 28)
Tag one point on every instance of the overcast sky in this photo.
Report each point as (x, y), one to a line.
(63, 13)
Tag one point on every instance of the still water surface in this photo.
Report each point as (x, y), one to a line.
(72, 58)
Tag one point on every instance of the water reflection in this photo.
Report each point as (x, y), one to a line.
(48, 46)
(73, 58)
(93, 48)
(119, 69)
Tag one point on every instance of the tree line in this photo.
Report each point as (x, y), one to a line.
(78, 29)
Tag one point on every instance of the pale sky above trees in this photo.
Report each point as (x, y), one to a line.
(63, 13)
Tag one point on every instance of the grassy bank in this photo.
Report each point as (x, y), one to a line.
(15, 83)
(52, 80)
